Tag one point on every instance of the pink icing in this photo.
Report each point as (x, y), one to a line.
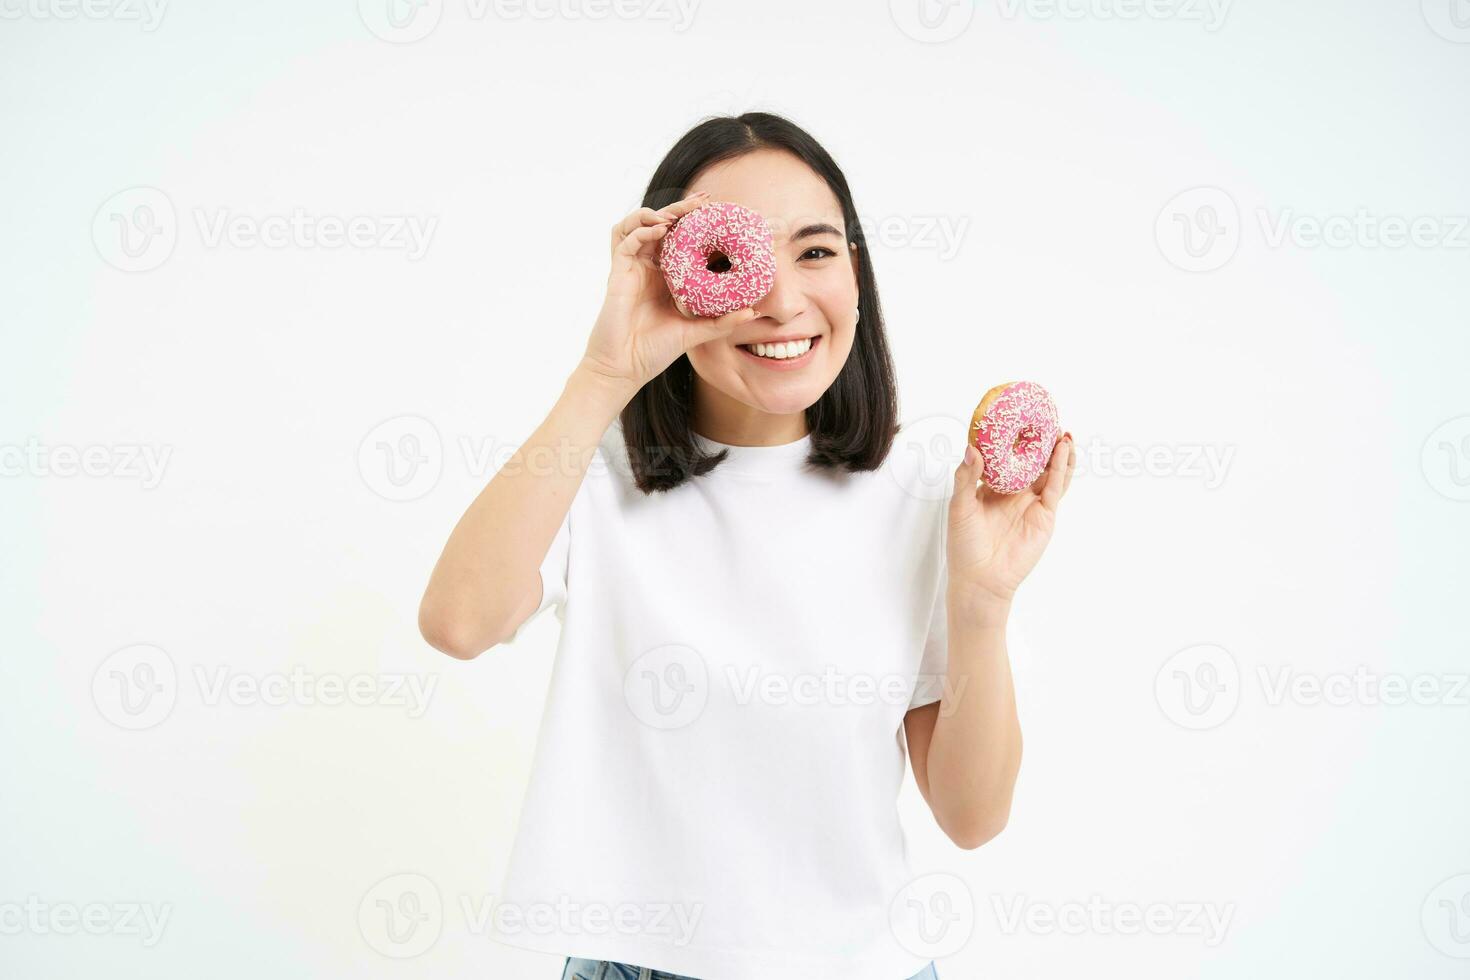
(1016, 436)
(738, 233)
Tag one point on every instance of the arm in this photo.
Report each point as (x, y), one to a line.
(966, 753)
(966, 748)
(487, 580)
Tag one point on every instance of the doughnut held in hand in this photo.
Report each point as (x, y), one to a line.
(718, 258)
(1015, 429)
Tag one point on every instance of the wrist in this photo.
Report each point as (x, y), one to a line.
(977, 606)
(606, 391)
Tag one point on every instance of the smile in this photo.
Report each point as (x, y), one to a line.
(790, 354)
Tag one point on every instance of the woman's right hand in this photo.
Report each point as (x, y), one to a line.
(640, 331)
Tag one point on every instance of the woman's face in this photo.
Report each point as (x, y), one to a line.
(814, 298)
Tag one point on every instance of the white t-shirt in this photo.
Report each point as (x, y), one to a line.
(715, 779)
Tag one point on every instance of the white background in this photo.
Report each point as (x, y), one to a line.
(1052, 144)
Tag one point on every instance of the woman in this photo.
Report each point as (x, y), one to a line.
(757, 613)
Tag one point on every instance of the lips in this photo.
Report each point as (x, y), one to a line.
(775, 363)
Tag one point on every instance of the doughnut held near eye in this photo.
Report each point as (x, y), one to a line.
(718, 258)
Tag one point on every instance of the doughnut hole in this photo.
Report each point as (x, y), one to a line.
(717, 261)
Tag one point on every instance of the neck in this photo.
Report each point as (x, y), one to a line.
(719, 417)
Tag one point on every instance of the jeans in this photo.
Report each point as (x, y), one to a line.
(603, 970)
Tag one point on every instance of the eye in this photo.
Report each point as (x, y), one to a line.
(816, 252)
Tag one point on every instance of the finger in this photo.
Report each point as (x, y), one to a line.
(1056, 474)
(642, 218)
(635, 241)
(966, 475)
(701, 330)
(678, 209)
(1071, 462)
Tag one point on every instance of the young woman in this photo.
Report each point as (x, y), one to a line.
(760, 618)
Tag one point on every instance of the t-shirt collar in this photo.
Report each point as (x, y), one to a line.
(758, 459)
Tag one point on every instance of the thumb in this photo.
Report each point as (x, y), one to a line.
(703, 329)
(966, 475)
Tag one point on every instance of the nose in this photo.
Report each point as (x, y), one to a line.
(784, 302)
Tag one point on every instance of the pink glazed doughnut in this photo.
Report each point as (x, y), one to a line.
(718, 258)
(1015, 428)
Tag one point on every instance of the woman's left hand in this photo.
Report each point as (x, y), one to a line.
(995, 539)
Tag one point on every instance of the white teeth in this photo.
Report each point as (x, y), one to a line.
(791, 348)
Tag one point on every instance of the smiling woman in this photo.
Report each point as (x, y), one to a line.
(699, 804)
(815, 357)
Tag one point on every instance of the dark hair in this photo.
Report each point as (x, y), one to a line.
(854, 422)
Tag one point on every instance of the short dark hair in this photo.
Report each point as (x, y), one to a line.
(855, 421)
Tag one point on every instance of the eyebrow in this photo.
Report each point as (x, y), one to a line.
(817, 229)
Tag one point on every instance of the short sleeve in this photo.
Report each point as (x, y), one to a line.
(553, 577)
(929, 684)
